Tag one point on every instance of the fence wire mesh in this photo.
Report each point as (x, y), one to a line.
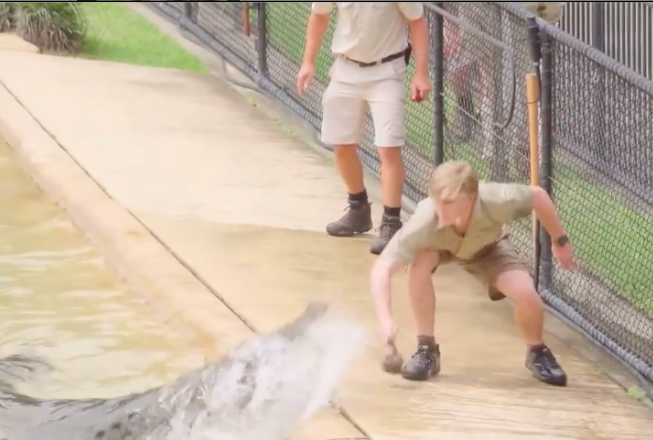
(486, 55)
(602, 186)
(602, 127)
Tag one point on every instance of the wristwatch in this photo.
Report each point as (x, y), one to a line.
(561, 241)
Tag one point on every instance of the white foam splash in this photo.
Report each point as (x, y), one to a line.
(287, 382)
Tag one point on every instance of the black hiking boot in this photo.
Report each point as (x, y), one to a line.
(424, 364)
(357, 220)
(544, 366)
(389, 227)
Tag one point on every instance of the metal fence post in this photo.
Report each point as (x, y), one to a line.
(546, 148)
(598, 25)
(188, 10)
(437, 39)
(535, 53)
(262, 40)
(598, 95)
(189, 14)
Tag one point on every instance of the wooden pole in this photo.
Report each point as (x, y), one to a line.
(533, 99)
(246, 23)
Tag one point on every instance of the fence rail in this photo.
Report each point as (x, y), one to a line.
(596, 137)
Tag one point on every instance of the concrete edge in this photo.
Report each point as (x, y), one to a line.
(176, 297)
(296, 127)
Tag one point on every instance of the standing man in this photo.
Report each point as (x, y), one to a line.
(370, 45)
(462, 222)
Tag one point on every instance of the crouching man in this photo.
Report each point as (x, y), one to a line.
(462, 222)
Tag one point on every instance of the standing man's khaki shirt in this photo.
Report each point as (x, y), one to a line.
(370, 31)
(497, 204)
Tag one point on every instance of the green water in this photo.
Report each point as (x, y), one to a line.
(57, 293)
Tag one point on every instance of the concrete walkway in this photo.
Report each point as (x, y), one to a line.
(244, 205)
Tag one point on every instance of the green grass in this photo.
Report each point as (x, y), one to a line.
(117, 34)
(610, 238)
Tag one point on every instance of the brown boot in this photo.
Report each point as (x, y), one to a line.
(389, 227)
(357, 220)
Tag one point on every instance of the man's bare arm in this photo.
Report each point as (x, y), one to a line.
(419, 40)
(318, 23)
(546, 212)
(380, 281)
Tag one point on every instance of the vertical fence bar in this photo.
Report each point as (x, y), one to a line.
(535, 52)
(188, 10)
(534, 48)
(546, 151)
(597, 119)
(598, 25)
(262, 40)
(437, 43)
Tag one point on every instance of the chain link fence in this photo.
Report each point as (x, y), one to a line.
(596, 155)
(602, 183)
(486, 59)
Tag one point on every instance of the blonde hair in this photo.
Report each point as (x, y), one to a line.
(452, 180)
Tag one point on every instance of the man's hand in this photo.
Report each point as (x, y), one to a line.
(305, 77)
(564, 255)
(392, 360)
(420, 87)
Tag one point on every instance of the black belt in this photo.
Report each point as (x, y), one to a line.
(395, 56)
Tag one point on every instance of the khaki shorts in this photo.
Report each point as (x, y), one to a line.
(352, 91)
(489, 263)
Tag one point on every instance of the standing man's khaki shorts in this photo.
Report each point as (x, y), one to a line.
(352, 91)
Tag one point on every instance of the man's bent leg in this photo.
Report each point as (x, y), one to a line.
(386, 101)
(344, 110)
(505, 271)
(426, 361)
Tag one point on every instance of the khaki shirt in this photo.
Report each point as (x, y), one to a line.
(370, 31)
(496, 205)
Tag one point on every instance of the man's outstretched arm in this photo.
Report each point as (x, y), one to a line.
(546, 212)
(380, 281)
(401, 251)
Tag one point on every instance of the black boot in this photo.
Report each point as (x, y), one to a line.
(357, 220)
(544, 366)
(424, 364)
(389, 227)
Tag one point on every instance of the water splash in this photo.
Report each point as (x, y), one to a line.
(272, 384)
(265, 389)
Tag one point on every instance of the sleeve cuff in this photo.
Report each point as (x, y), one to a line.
(322, 7)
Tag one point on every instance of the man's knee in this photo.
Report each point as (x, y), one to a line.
(390, 156)
(518, 285)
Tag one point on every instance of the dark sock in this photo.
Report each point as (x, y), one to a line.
(391, 212)
(429, 341)
(360, 197)
(537, 348)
